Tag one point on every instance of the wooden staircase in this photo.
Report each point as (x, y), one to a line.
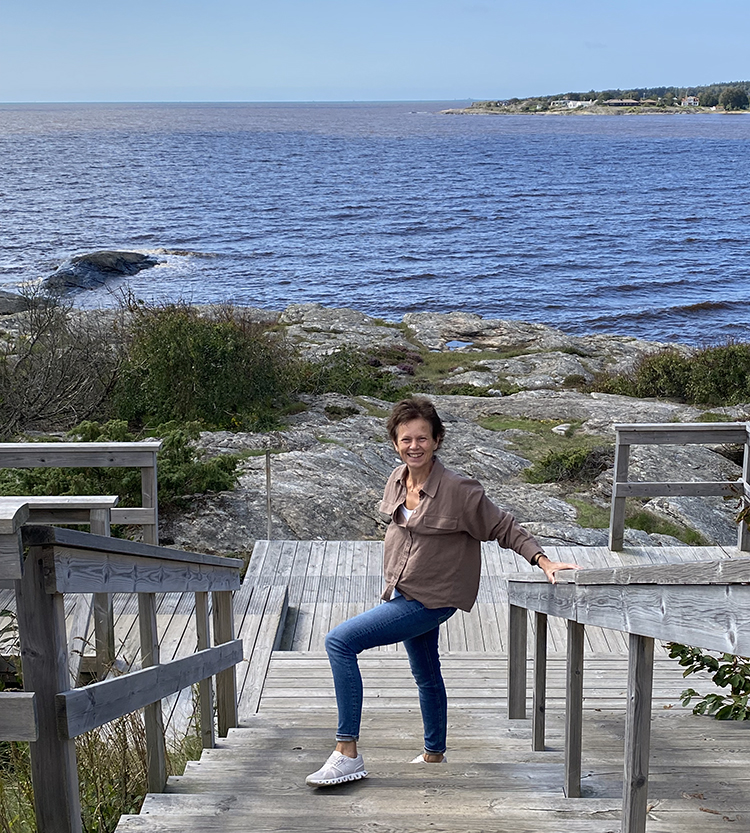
(255, 779)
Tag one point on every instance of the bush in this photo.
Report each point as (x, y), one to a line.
(728, 671)
(182, 473)
(711, 376)
(345, 371)
(220, 368)
(57, 371)
(582, 465)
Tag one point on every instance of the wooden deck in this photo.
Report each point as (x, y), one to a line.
(295, 591)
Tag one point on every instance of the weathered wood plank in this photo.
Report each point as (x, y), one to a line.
(637, 735)
(18, 716)
(87, 708)
(620, 475)
(101, 544)
(226, 680)
(574, 711)
(726, 571)
(206, 685)
(77, 455)
(539, 697)
(697, 488)
(11, 557)
(44, 653)
(72, 570)
(689, 433)
(14, 512)
(517, 638)
(269, 634)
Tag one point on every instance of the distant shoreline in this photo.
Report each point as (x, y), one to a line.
(595, 110)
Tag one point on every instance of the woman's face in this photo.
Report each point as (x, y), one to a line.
(415, 445)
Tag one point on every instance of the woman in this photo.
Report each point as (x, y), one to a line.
(432, 558)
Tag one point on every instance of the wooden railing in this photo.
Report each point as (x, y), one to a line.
(704, 604)
(49, 713)
(713, 433)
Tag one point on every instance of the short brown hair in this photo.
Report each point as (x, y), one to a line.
(417, 407)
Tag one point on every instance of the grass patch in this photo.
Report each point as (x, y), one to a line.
(339, 412)
(372, 410)
(653, 524)
(535, 439)
(589, 514)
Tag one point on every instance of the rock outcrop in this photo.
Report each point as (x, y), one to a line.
(328, 474)
(89, 271)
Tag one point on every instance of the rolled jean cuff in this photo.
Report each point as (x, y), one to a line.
(347, 738)
(435, 751)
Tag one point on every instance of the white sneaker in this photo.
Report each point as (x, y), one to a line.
(420, 760)
(337, 770)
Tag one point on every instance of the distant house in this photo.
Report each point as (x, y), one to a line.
(621, 102)
(569, 104)
(690, 101)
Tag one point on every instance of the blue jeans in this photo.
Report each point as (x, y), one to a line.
(398, 620)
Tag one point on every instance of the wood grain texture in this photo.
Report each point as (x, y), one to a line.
(65, 455)
(574, 711)
(11, 557)
(44, 654)
(637, 735)
(18, 716)
(75, 540)
(689, 433)
(87, 708)
(72, 570)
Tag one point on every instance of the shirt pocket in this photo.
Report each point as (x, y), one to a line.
(387, 508)
(439, 523)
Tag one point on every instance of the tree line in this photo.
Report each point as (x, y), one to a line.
(733, 95)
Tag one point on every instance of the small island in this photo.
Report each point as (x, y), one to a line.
(732, 97)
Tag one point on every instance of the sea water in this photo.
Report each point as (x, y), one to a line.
(637, 225)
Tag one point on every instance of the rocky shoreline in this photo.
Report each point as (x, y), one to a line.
(330, 461)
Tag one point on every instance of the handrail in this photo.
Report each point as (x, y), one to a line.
(706, 604)
(688, 433)
(62, 561)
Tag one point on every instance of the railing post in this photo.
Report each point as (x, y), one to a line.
(269, 522)
(517, 628)
(226, 681)
(155, 747)
(44, 655)
(743, 530)
(540, 682)
(637, 733)
(205, 687)
(617, 514)
(574, 710)
(104, 618)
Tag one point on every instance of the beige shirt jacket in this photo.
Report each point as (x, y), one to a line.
(435, 556)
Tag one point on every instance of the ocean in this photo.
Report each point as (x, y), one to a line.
(635, 225)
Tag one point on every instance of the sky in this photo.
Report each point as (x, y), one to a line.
(362, 50)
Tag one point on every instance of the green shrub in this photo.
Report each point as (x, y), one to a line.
(728, 671)
(221, 368)
(182, 473)
(711, 376)
(577, 464)
(346, 371)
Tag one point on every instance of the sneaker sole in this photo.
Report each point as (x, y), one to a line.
(331, 782)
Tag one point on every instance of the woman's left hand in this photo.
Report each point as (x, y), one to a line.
(549, 568)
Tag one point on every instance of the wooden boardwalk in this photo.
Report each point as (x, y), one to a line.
(295, 591)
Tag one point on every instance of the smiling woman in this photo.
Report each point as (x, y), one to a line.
(432, 560)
